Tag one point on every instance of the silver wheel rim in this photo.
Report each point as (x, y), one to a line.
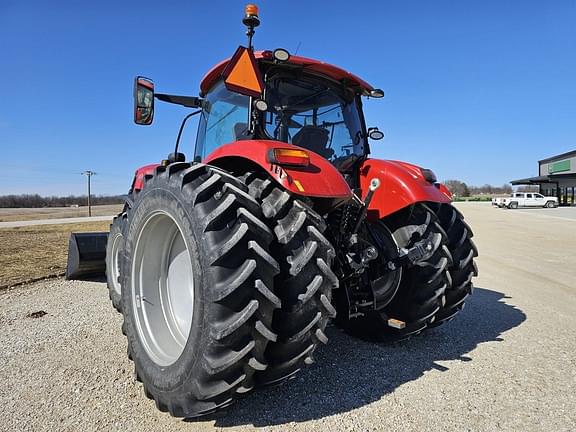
(114, 261)
(162, 288)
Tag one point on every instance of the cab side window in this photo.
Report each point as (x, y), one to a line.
(224, 120)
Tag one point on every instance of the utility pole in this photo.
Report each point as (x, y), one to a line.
(89, 175)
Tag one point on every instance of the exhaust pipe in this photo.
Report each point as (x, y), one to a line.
(86, 255)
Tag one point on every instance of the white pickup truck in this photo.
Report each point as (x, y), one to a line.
(525, 199)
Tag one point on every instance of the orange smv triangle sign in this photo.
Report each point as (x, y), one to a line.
(241, 75)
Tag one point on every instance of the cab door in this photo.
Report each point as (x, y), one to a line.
(539, 200)
(530, 201)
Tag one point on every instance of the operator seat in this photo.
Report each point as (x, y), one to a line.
(314, 138)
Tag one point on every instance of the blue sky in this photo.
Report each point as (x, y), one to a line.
(477, 91)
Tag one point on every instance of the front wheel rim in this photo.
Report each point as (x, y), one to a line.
(162, 288)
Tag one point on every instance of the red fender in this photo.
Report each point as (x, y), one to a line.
(318, 180)
(445, 190)
(138, 181)
(402, 184)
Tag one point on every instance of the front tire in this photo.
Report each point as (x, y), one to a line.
(197, 280)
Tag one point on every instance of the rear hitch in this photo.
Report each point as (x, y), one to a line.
(361, 251)
(360, 260)
(374, 184)
(421, 251)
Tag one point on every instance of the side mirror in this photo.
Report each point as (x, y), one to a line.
(143, 101)
(375, 134)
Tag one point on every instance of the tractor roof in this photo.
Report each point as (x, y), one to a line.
(312, 65)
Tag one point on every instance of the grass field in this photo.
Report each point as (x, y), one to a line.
(29, 253)
(24, 214)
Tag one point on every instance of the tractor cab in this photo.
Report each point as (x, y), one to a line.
(297, 106)
(273, 96)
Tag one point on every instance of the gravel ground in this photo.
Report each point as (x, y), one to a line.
(506, 363)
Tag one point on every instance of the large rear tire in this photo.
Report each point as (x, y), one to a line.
(196, 288)
(423, 285)
(462, 268)
(305, 281)
(114, 248)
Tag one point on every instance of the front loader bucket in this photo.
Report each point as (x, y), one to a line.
(86, 255)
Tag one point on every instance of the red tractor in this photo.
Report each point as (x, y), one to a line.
(228, 267)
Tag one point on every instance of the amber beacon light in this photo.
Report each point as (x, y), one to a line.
(251, 10)
(251, 21)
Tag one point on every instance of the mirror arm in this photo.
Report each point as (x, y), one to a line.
(187, 101)
(182, 128)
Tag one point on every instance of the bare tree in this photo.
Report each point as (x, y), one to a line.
(488, 189)
(458, 188)
(528, 188)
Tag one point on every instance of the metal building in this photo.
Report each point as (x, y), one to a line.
(556, 177)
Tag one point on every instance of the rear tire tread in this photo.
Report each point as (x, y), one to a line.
(463, 267)
(304, 284)
(117, 227)
(239, 303)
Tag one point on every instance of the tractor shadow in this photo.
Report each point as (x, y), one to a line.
(95, 278)
(350, 373)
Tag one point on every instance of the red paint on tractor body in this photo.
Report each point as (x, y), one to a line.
(402, 184)
(320, 179)
(138, 181)
(445, 190)
(311, 65)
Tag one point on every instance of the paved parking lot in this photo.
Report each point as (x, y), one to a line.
(560, 212)
(508, 362)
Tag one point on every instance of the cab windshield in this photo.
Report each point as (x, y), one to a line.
(313, 114)
(306, 112)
